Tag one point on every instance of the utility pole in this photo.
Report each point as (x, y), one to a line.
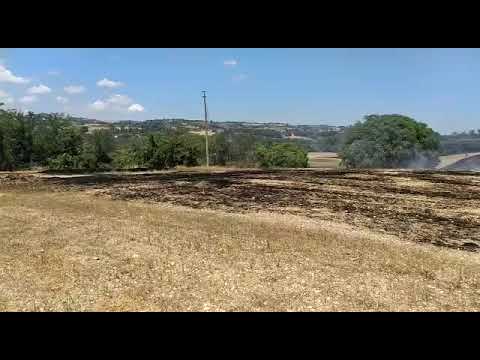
(206, 125)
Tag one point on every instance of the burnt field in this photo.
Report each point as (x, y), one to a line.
(441, 208)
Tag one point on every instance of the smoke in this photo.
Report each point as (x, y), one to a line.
(423, 161)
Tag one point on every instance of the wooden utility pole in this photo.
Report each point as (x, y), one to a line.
(206, 125)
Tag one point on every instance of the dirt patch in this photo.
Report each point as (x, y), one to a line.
(422, 206)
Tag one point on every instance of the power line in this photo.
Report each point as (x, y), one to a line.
(206, 125)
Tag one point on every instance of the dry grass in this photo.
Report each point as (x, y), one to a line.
(78, 252)
(323, 160)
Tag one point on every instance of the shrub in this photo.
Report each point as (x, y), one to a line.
(281, 155)
(64, 162)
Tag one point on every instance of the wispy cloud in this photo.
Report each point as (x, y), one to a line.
(122, 100)
(109, 83)
(8, 77)
(54, 73)
(40, 89)
(136, 108)
(74, 89)
(62, 100)
(230, 63)
(117, 103)
(98, 105)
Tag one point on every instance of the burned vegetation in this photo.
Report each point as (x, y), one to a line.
(441, 208)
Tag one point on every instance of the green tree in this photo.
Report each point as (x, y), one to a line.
(160, 151)
(97, 150)
(281, 155)
(54, 135)
(220, 149)
(390, 141)
(16, 141)
(132, 155)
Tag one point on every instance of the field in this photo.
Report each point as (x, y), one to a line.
(249, 240)
(323, 160)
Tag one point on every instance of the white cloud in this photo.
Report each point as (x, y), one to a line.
(117, 99)
(40, 89)
(99, 105)
(28, 99)
(74, 89)
(239, 77)
(7, 76)
(231, 62)
(62, 100)
(5, 97)
(136, 107)
(109, 83)
(54, 73)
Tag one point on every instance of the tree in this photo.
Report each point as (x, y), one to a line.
(161, 151)
(220, 148)
(16, 142)
(281, 155)
(97, 149)
(131, 156)
(54, 135)
(390, 141)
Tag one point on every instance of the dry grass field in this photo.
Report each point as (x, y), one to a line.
(323, 160)
(90, 244)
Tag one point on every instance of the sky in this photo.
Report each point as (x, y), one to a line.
(440, 87)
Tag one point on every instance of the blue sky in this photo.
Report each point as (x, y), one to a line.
(300, 86)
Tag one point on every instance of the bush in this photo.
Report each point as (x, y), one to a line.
(96, 151)
(64, 162)
(281, 155)
(390, 141)
(160, 152)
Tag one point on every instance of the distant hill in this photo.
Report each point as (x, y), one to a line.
(86, 121)
(460, 143)
(273, 130)
(310, 137)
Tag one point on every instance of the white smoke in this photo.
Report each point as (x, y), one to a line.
(423, 161)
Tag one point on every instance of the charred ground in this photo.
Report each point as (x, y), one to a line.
(442, 208)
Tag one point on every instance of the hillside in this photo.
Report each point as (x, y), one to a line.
(460, 143)
(311, 137)
(274, 130)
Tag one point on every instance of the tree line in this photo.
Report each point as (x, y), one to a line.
(55, 142)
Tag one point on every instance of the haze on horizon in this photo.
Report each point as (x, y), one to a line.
(299, 86)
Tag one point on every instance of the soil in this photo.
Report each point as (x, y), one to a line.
(437, 207)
